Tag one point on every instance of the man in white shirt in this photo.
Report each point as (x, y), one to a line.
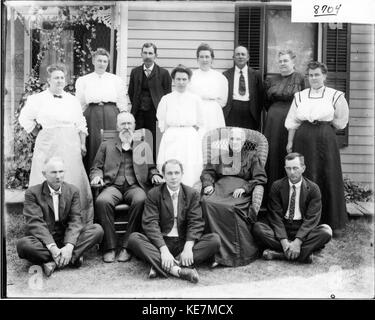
(294, 212)
(245, 93)
(56, 236)
(173, 240)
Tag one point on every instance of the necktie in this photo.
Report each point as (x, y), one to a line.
(57, 96)
(56, 203)
(58, 192)
(292, 204)
(174, 200)
(242, 85)
(148, 71)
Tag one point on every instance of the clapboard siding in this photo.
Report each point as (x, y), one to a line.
(359, 111)
(358, 158)
(362, 85)
(180, 25)
(359, 149)
(364, 48)
(361, 122)
(363, 178)
(179, 16)
(180, 6)
(362, 75)
(358, 168)
(178, 29)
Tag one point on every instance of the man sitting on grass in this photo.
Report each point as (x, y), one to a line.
(55, 234)
(294, 211)
(173, 225)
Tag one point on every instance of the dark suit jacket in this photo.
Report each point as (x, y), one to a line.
(108, 159)
(159, 81)
(310, 206)
(158, 218)
(40, 217)
(256, 92)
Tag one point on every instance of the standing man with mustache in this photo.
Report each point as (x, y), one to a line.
(245, 93)
(148, 84)
(124, 167)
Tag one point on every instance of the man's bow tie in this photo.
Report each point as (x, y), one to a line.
(58, 192)
(57, 96)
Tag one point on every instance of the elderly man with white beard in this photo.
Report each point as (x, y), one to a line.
(126, 176)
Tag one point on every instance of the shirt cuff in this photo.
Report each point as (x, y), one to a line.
(49, 246)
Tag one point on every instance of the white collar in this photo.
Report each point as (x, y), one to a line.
(97, 75)
(52, 190)
(298, 184)
(52, 94)
(172, 192)
(150, 68)
(244, 69)
(126, 146)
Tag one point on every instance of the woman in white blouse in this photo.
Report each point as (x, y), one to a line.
(63, 134)
(179, 119)
(314, 115)
(102, 95)
(211, 86)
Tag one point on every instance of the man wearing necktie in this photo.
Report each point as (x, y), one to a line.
(173, 240)
(294, 211)
(56, 236)
(147, 85)
(245, 93)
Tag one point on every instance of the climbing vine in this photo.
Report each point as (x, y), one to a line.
(47, 36)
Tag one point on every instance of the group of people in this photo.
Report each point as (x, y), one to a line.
(171, 225)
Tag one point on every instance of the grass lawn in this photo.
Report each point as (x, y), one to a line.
(344, 269)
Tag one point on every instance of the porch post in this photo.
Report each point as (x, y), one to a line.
(122, 42)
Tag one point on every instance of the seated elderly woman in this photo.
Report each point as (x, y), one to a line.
(228, 181)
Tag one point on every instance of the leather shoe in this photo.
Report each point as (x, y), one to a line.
(309, 259)
(49, 268)
(124, 255)
(214, 265)
(189, 274)
(109, 256)
(273, 255)
(78, 263)
(152, 273)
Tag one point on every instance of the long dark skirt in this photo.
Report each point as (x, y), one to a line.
(227, 217)
(323, 166)
(98, 117)
(277, 136)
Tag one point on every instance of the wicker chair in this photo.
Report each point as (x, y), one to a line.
(218, 139)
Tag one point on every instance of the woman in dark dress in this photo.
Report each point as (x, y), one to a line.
(311, 122)
(228, 181)
(280, 91)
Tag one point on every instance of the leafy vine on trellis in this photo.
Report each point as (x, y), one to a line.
(17, 170)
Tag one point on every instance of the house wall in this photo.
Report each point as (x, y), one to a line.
(358, 158)
(178, 29)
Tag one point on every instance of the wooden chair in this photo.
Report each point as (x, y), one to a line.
(218, 139)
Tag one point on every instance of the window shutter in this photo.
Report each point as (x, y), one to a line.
(336, 52)
(249, 33)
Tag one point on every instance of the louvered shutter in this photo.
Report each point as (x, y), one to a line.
(249, 33)
(336, 56)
